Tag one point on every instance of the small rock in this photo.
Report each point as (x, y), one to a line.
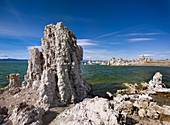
(142, 113)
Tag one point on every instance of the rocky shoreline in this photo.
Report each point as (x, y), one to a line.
(132, 106)
(141, 61)
(53, 91)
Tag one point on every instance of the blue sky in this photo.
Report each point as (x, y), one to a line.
(105, 28)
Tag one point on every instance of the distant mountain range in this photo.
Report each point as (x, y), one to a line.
(10, 60)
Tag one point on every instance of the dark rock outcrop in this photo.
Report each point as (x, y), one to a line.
(3, 115)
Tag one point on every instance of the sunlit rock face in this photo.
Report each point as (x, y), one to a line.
(34, 70)
(55, 72)
(156, 82)
(95, 111)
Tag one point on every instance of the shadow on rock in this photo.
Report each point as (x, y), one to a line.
(49, 116)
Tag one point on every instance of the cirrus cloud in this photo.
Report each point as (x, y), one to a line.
(86, 42)
(140, 39)
(147, 55)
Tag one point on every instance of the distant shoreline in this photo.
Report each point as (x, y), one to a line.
(13, 60)
(155, 63)
(137, 62)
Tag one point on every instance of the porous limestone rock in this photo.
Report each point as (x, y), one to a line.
(142, 113)
(14, 84)
(156, 83)
(140, 106)
(154, 86)
(34, 70)
(24, 114)
(96, 111)
(132, 88)
(14, 80)
(118, 62)
(55, 72)
(47, 88)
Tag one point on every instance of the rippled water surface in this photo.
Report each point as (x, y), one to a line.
(110, 78)
(102, 78)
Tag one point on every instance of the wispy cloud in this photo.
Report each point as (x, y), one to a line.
(108, 34)
(18, 54)
(86, 42)
(97, 54)
(9, 32)
(128, 32)
(157, 55)
(147, 55)
(139, 34)
(163, 56)
(168, 52)
(31, 47)
(140, 39)
(102, 54)
(128, 29)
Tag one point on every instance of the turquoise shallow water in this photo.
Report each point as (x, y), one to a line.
(102, 78)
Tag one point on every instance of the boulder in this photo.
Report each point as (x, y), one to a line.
(96, 111)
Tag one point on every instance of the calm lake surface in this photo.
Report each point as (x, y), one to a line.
(102, 78)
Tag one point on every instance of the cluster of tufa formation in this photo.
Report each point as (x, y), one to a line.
(54, 79)
(123, 62)
(132, 106)
(55, 71)
(154, 86)
(117, 62)
(145, 103)
(96, 111)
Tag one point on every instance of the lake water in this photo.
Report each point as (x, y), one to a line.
(12, 67)
(110, 78)
(102, 78)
